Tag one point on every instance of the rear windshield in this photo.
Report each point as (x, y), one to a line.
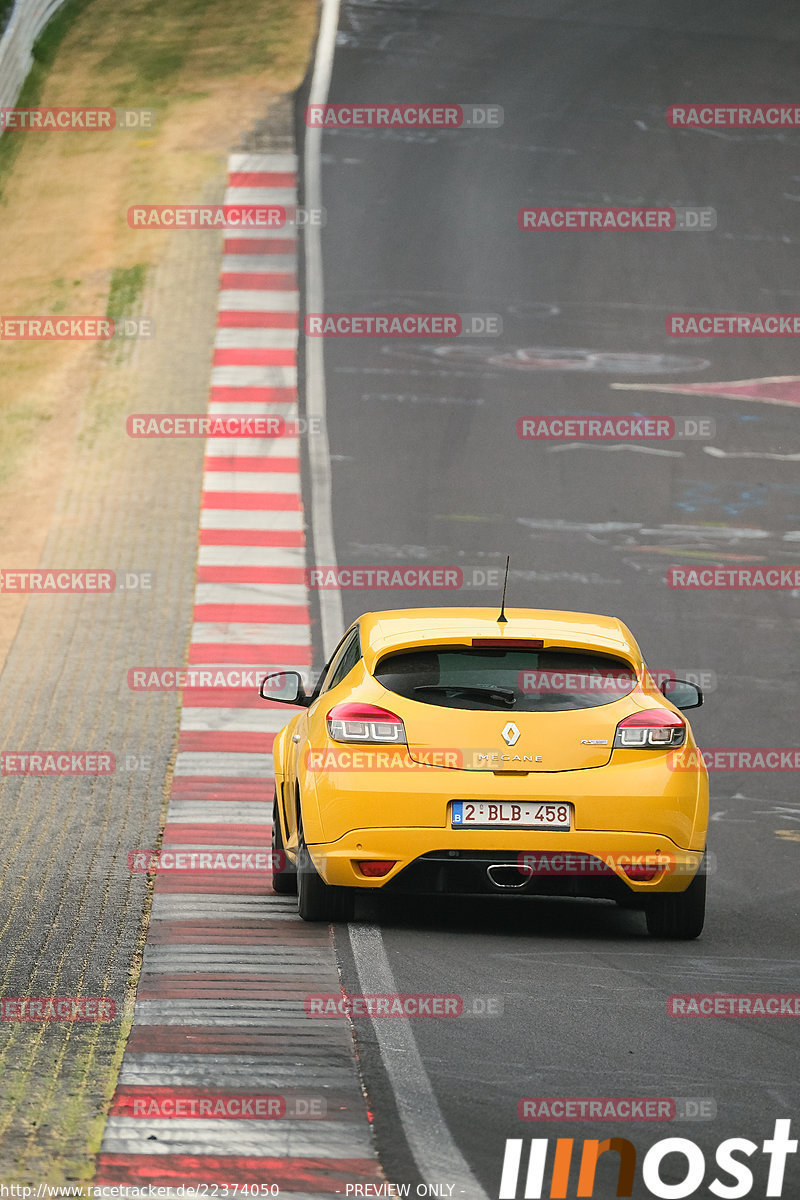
(506, 680)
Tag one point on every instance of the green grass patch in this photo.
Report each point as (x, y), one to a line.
(124, 293)
(125, 289)
(159, 45)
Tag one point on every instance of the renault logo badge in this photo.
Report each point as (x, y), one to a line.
(510, 734)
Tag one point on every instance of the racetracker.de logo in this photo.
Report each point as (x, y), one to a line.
(382, 1005)
(635, 865)
(67, 581)
(596, 1108)
(382, 325)
(55, 580)
(57, 762)
(199, 425)
(382, 760)
(380, 578)
(570, 683)
(604, 217)
(734, 579)
(733, 116)
(178, 679)
(739, 758)
(627, 428)
(57, 1008)
(71, 120)
(163, 1103)
(143, 862)
(399, 325)
(56, 329)
(747, 1004)
(207, 216)
(404, 116)
(728, 324)
(213, 1106)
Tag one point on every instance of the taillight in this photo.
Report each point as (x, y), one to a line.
(353, 722)
(375, 868)
(642, 872)
(653, 729)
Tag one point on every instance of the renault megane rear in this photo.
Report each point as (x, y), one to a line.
(444, 751)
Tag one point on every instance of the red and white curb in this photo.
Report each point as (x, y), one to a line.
(219, 1013)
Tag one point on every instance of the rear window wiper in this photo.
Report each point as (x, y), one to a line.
(506, 695)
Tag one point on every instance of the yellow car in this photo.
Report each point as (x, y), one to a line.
(449, 751)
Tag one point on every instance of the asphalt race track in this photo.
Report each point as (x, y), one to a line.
(427, 470)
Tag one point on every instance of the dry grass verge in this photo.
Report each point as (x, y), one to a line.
(210, 68)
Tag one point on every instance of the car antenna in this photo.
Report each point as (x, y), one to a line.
(503, 619)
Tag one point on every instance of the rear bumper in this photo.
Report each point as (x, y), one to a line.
(550, 863)
(637, 792)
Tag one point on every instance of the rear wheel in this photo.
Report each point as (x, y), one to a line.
(316, 899)
(679, 915)
(284, 875)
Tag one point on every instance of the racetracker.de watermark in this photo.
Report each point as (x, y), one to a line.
(404, 116)
(399, 325)
(570, 683)
(745, 1004)
(602, 681)
(178, 679)
(38, 119)
(71, 581)
(223, 216)
(57, 1008)
(616, 1108)
(608, 218)
(143, 862)
(73, 329)
(733, 579)
(401, 578)
(728, 324)
(169, 1104)
(396, 1004)
(628, 428)
(235, 425)
(574, 863)
(57, 762)
(733, 116)
(331, 759)
(736, 758)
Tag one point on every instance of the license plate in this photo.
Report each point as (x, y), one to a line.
(525, 815)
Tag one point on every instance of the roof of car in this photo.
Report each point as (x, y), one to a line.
(396, 628)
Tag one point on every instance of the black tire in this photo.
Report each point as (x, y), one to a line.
(316, 899)
(284, 875)
(679, 915)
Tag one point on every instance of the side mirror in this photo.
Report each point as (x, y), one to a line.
(682, 694)
(284, 687)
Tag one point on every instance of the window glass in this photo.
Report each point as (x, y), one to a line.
(507, 680)
(344, 658)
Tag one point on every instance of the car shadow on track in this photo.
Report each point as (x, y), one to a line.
(540, 917)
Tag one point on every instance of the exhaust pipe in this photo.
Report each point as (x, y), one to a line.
(508, 877)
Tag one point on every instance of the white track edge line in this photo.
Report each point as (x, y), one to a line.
(429, 1138)
(430, 1141)
(330, 601)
